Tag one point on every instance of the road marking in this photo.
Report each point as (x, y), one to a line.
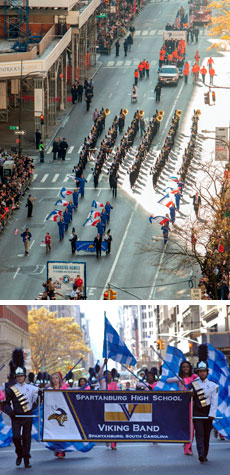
(66, 178)
(145, 32)
(119, 63)
(152, 32)
(44, 178)
(49, 150)
(110, 95)
(89, 177)
(16, 273)
(79, 150)
(128, 62)
(34, 176)
(32, 243)
(117, 83)
(37, 188)
(55, 177)
(119, 251)
(137, 33)
(99, 191)
(70, 149)
(110, 63)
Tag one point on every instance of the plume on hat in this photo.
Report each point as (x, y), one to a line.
(18, 358)
(203, 352)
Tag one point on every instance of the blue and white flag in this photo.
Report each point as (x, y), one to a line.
(219, 372)
(170, 368)
(5, 433)
(115, 348)
(166, 200)
(54, 215)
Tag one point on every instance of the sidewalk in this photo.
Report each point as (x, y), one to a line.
(8, 138)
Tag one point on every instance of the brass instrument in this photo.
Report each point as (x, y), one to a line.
(198, 112)
(159, 118)
(125, 111)
(107, 111)
(178, 113)
(141, 113)
(161, 113)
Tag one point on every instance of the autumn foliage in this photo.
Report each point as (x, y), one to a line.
(56, 343)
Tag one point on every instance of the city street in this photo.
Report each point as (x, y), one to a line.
(128, 458)
(131, 268)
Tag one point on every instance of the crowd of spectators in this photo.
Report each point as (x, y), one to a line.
(117, 24)
(13, 184)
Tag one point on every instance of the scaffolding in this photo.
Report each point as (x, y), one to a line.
(16, 18)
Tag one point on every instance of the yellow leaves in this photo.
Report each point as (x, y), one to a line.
(55, 342)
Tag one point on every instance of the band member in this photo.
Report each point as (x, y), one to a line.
(205, 405)
(21, 398)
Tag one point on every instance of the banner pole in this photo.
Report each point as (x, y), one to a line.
(106, 361)
(71, 369)
(91, 373)
(39, 418)
(165, 362)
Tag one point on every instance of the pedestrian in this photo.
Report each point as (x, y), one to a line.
(129, 41)
(38, 137)
(114, 185)
(88, 99)
(97, 242)
(125, 47)
(165, 229)
(193, 241)
(95, 115)
(157, 91)
(41, 152)
(117, 46)
(73, 238)
(172, 212)
(108, 208)
(142, 126)
(203, 72)
(140, 69)
(21, 399)
(30, 205)
(100, 227)
(63, 148)
(211, 75)
(79, 92)
(177, 199)
(121, 122)
(26, 237)
(67, 219)
(210, 62)
(196, 33)
(48, 242)
(197, 56)
(74, 93)
(55, 148)
(136, 76)
(147, 68)
(82, 182)
(61, 228)
(205, 402)
(186, 74)
(108, 238)
(196, 203)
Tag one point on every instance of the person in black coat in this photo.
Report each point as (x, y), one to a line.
(117, 45)
(38, 137)
(55, 149)
(63, 148)
(196, 203)
(97, 242)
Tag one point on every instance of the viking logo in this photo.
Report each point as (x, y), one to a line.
(59, 415)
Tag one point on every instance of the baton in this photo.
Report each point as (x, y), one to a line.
(197, 417)
(22, 415)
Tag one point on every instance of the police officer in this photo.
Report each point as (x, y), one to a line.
(21, 398)
(204, 410)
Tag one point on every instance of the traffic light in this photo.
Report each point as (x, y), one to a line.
(113, 294)
(42, 118)
(159, 344)
(106, 295)
(162, 344)
(214, 96)
(191, 349)
(207, 98)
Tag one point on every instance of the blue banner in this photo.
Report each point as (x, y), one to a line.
(96, 416)
(89, 246)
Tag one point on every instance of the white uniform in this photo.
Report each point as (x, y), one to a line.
(210, 390)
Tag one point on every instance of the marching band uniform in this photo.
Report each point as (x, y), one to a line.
(205, 405)
(20, 401)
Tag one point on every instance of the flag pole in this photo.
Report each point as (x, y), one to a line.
(106, 360)
(139, 379)
(71, 369)
(91, 373)
(165, 362)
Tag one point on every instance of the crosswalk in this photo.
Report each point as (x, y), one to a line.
(151, 32)
(58, 177)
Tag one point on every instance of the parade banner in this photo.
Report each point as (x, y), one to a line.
(89, 246)
(97, 416)
(63, 275)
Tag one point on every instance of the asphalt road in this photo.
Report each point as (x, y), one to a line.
(129, 458)
(132, 268)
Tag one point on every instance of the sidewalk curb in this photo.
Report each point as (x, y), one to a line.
(60, 126)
